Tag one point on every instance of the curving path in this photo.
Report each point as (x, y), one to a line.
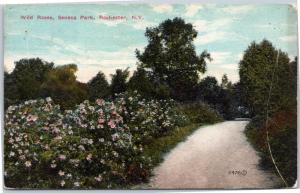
(216, 156)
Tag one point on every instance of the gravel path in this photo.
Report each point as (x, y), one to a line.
(216, 156)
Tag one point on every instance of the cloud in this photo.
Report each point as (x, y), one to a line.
(237, 9)
(230, 69)
(240, 56)
(9, 64)
(162, 8)
(85, 73)
(201, 25)
(220, 57)
(191, 10)
(213, 25)
(141, 25)
(211, 31)
(229, 66)
(224, 63)
(92, 62)
(89, 62)
(289, 39)
(210, 37)
(59, 44)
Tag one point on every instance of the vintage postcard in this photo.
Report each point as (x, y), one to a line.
(150, 96)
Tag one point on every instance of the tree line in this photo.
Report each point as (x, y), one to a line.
(169, 67)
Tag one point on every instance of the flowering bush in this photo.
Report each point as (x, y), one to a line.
(96, 145)
(149, 119)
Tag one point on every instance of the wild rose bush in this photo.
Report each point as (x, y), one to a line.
(149, 119)
(96, 145)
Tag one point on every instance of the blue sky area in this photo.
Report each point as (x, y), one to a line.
(225, 31)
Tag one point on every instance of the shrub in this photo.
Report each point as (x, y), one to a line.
(96, 145)
(282, 129)
(88, 147)
(199, 112)
(149, 119)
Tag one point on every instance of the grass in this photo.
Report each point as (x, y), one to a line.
(160, 146)
(283, 141)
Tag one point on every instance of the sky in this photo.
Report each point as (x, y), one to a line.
(225, 31)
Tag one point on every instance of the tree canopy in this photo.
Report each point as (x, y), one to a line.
(262, 68)
(62, 87)
(98, 87)
(171, 56)
(119, 81)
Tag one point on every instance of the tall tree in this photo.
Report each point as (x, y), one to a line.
(209, 90)
(62, 87)
(119, 81)
(225, 83)
(141, 82)
(171, 56)
(26, 79)
(263, 69)
(98, 87)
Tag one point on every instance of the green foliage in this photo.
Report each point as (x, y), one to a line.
(209, 90)
(61, 85)
(25, 80)
(283, 141)
(98, 87)
(146, 85)
(149, 118)
(258, 72)
(171, 56)
(141, 82)
(198, 112)
(225, 84)
(160, 146)
(97, 145)
(224, 98)
(119, 81)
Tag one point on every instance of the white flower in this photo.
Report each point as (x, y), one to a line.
(28, 164)
(115, 136)
(62, 183)
(89, 157)
(10, 140)
(58, 138)
(22, 157)
(18, 139)
(115, 154)
(53, 165)
(76, 184)
(61, 173)
(81, 147)
(11, 154)
(48, 99)
(98, 178)
(62, 157)
(90, 141)
(31, 118)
